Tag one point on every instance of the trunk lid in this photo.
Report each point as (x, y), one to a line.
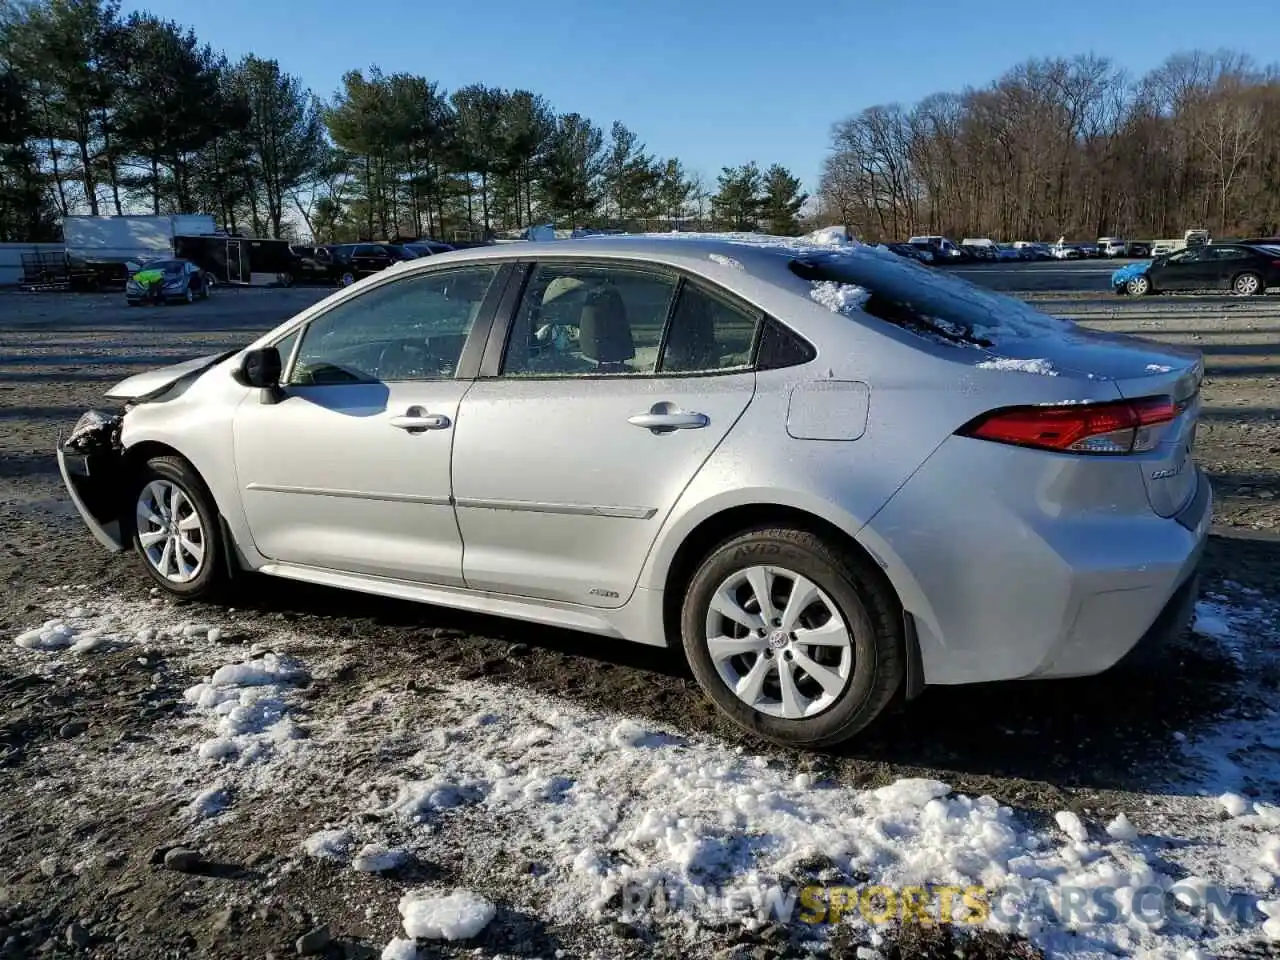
(1138, 368)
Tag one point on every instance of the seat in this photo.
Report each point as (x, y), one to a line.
(605, 333)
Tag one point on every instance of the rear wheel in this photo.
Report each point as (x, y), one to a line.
(794, 639)
(1139, 286)
(1248, 285)
(175, 528)
(348, 278)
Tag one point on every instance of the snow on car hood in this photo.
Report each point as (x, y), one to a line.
(146, 386)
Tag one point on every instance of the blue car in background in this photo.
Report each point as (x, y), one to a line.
(1133, 278)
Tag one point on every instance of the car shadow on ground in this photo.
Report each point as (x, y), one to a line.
(1113, 731)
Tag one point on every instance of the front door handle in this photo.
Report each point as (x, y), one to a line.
(415, 420)
(662, 421)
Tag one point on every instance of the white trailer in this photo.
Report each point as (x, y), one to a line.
(129, 238)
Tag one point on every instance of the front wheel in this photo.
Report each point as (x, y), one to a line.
(1248, 285)
(175, 528)
(1139, 286)
(795, 640)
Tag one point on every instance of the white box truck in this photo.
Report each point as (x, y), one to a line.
(103, 250)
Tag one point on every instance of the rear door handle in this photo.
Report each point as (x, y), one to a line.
(663, 422)
(417, 422)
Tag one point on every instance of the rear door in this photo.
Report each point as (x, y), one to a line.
(615, 385)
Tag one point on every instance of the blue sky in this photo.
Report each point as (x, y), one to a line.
(717, 82)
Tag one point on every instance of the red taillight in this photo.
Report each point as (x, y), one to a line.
(1126, 426)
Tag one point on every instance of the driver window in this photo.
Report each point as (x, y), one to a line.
(409, 329)
(1185, 256)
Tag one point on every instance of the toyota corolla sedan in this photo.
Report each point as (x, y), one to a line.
(829, 475)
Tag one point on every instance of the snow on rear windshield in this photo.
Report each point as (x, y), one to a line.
(933, 298)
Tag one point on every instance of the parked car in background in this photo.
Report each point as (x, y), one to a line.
(1033, 251)
(1112, 246)
(353, 261)
(1066, 251)
(944, 250)
(980, 248)
(1008, 252)
(312, 264)
(166, 281)
(630, 437)
(1089, 251)
(1245, 269)
(919, 253)
(427, 248)
(1137, 248)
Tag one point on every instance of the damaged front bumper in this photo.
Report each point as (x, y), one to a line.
(91, 462)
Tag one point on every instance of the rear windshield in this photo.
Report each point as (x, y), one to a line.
(922, 299)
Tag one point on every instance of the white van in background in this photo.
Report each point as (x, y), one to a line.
(942, 246)
(1112, 246)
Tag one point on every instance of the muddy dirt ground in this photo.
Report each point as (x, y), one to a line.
(1085, 745)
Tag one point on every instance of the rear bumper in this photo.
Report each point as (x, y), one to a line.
(1047, 569)
(93, 482)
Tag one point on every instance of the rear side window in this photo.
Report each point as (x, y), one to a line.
(707, 333)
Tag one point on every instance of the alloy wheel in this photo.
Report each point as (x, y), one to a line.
(1247, 284)
(779, 642)
(170, 531)
(1138, 286)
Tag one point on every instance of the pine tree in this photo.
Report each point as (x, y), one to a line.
(780, 207)
(737, 203)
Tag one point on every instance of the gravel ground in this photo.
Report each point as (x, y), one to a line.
(1096, 746)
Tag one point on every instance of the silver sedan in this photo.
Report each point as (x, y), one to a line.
(829, 475)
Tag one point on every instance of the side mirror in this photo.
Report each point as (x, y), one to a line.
(262, 368)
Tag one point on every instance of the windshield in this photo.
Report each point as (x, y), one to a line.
(906, 294)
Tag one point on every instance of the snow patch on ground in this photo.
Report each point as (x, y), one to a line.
(614, 810)
(328, 844)
(454, 916)
(245, 704)
(1041, 368)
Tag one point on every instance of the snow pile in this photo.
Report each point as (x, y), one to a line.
(210, 802)
(839, 297)
(377, 858)
(456, 916)
(245, 703)
(328, 844)
(399, 949)
(830, 237)
(1041, 368)
(65, 634)
(51, 635)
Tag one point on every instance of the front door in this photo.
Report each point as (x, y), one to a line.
(350, 470)
(568, 461)
(1191, 269)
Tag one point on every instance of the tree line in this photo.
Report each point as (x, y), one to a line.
(1072, 147)
(106, 114)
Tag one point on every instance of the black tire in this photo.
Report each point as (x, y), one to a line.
(1135, 286)
(1253, 284)
(870, 610)
(211, 577)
